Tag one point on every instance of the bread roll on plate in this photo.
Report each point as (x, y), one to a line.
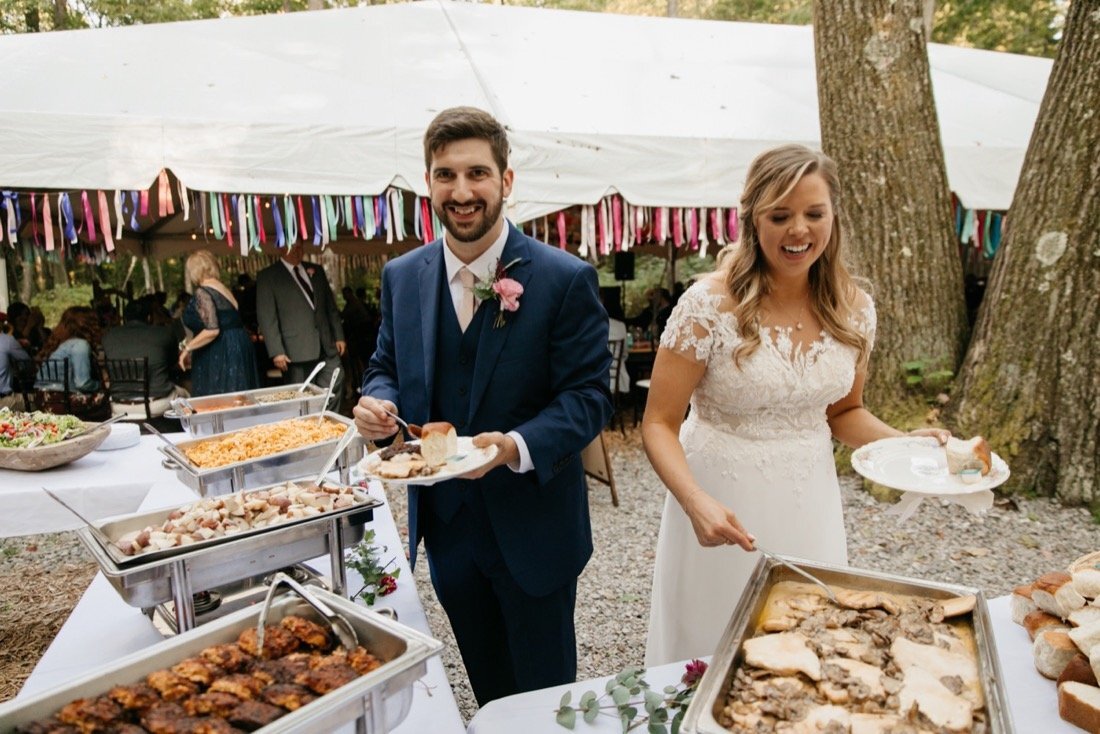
(1053, 650)
(972, 454)
(1054, 593)
(438, 442)
(1086, 637)
(1086, 582)
(1084, 616)
(1079, 671)
(1039, 620)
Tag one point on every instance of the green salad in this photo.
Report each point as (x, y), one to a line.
(25, 430)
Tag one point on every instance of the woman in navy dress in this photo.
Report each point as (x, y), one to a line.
(220, 355)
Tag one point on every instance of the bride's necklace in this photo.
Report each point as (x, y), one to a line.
(798, 319)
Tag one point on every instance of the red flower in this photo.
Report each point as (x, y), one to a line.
(693, 672)
(387, 585)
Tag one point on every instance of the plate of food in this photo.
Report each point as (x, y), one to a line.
(921, 464)
(438, 455)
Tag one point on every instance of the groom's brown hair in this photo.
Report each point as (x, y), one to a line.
(465, 123)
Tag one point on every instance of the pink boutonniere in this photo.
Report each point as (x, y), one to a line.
(504, 289)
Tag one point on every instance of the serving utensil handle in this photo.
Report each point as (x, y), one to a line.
(340, 626)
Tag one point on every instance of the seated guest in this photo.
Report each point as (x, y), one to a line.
(76, 338)
(28, 326)
(10, 349)
(138, 338)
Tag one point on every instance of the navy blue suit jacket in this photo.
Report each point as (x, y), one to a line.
(543, 374)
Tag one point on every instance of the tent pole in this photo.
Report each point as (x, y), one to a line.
(3, 282)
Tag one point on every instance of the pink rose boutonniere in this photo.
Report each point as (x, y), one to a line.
(504, 289)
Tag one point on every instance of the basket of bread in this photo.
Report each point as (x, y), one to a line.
(1061, 612)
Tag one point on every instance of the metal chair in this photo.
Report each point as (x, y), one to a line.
(128, 384)
(616, 347)
(23, 374)
(54, 372)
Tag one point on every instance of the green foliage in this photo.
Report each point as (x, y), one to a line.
(53, 302)
(364, 559)
(927, 377)
(1018, 26)
(625, 693)
(791, 12)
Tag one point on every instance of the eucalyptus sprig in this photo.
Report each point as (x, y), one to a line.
(363, 557)
(664, 712)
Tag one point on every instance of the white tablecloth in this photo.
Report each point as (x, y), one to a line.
(102, 628)
(1032, 698)
(99, 485)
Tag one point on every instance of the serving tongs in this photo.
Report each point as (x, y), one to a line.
(99, 534)
(177, 455)
(781, 561)
(339, 626)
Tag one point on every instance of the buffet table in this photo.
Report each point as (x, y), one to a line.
(91, 484)
(103, 628)
(1032, 698)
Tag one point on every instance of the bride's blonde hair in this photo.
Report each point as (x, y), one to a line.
(772, 175)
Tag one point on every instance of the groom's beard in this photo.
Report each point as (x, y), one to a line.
(478, 227)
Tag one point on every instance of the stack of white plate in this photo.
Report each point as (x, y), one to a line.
(123, 435)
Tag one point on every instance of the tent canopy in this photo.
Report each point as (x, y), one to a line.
(666, 112)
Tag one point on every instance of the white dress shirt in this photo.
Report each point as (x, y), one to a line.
(305, 276)
(483, 268)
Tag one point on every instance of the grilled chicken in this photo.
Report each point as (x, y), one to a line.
(252, 715)
(91, 714)
(229, 657)
(134, 698)
(288, 695)
(160, 718)
(277, 642)
(310, 633)
(198, 670)
(363, 661)
(327, 678)
(242, 685)
(171, 686)
(211, 703)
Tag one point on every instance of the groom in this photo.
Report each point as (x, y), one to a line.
(506, 543)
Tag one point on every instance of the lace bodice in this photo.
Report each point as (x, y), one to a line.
(780, 391)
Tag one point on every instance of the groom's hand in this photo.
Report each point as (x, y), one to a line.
(372, 420)
(507, 452)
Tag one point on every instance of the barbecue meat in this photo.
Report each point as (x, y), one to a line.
(160, 718)
(310, 633)
(252, 715)
(127, 729)
(277, 642)
(242, 685)
(198, 670)
(91, 714)
(285, 669)
(211, 703)
(288, 695)
(134, 698)
(363, 661)
(171, 686)
(47, 726)
(229, 657)
(327, 678)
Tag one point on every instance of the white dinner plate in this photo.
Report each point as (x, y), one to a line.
(919, 464)
(468, 458)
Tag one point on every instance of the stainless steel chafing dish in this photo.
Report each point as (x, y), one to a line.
(176, 574)
(379, 700)
(299, 462)
(702, 713)
(213, 414)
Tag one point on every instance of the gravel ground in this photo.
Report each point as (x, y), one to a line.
(1015, 542)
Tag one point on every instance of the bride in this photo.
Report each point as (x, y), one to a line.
(771, 351)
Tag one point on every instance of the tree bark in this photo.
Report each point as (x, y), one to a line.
(878, 122)
(1031, 379)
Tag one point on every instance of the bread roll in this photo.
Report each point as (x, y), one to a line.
(1021, 603)
(1079, 704)
(1094, 661)
(438, 442)
(1052, 650)
(1084, 615)
(972, 454)
(1054, 593)
(1079, 671)
(1039, 620)
(1086, 582)
(1086, 637)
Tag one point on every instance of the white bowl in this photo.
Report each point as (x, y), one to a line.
(123, 436)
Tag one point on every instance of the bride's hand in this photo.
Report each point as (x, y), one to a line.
(940, 434)
(715, 524)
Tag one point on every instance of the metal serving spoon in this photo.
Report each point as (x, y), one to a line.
(328, 396)
(305, 383)
(347, 438)
(173, 449)
(99, 534)
(410, 429)
(778, 559)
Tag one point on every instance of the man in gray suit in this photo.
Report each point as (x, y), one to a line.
(299, 321)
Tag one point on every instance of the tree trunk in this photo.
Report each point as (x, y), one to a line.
(1031, 379)
(878, 122)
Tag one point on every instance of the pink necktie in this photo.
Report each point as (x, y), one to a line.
(466, 304)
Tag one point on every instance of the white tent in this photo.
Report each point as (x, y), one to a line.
(666, 112)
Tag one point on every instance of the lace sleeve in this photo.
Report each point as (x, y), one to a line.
(690, 331)
(864, 317)
(208, 311)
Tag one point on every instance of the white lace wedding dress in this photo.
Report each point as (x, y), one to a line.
(756, 440)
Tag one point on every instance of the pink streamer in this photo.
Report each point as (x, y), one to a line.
(561, 230)
(617, 221)
(47, 222)
(89, 218)
(105, 222)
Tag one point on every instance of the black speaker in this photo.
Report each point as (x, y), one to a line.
(624, 266)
